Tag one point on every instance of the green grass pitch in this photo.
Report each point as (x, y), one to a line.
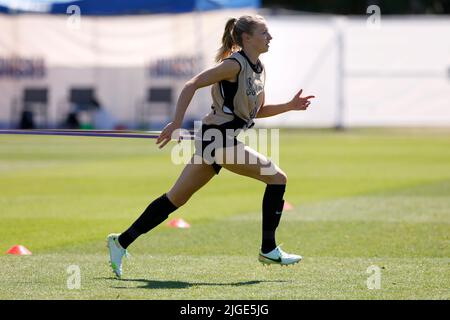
(361, 198)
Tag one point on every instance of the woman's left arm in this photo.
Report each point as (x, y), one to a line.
(297, 103)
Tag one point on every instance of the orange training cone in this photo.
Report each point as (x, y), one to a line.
(287, 206)
(179, 223)
(19, 250)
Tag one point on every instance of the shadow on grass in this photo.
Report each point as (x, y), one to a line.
(160, 284)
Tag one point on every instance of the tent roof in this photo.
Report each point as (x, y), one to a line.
(121, 7)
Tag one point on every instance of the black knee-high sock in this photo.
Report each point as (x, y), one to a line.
(156, 212)
(272, 208)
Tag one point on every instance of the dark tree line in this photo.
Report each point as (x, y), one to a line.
(358, 7)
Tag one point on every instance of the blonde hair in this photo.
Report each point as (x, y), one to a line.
(232, 35)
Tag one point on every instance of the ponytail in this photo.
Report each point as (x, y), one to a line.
(228, 42)
(232, 36)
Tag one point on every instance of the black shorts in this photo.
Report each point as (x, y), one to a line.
(209, 137)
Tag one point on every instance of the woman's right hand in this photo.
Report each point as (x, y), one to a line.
(166, 134)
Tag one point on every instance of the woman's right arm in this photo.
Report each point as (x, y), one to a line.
(226, 70)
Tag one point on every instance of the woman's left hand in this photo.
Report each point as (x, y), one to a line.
(300, 103)
(166, 134)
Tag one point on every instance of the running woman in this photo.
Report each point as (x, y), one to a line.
(237, 98)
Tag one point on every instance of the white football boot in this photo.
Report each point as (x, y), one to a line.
(116, 253)
(278, 256)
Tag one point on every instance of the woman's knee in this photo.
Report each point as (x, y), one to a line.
(280, 178)
(177, 200)
(277, 178)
